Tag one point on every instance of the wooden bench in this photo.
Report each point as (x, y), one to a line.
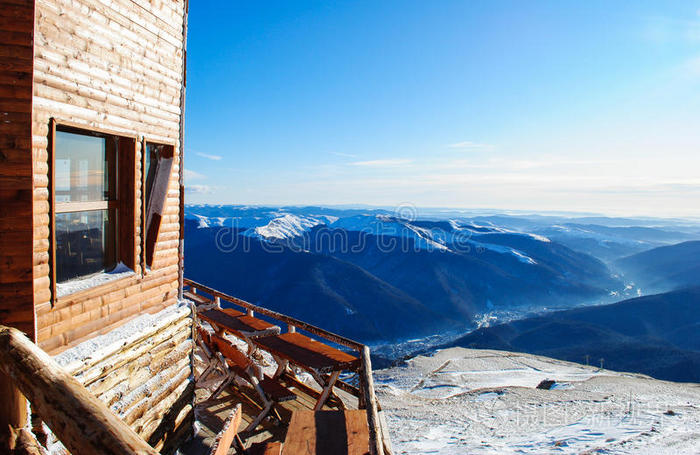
(327, 432)
(307, 352)
(236, 364)
(323, 362)
(244, 367)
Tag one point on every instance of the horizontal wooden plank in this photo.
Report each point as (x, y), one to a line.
(71, 207)
(312, 433)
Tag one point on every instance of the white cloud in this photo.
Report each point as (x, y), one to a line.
(209, 157)
(470, 145)
(199, 189)
(383, 163)
(193, 175)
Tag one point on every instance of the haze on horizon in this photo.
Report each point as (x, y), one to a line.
(551, 106)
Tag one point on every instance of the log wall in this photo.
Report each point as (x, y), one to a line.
(16, 191)
(142, 372)
(16, 273)
(115, 66)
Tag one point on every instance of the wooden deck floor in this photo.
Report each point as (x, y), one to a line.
(210, 414)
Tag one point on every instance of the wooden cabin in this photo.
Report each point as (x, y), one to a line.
(99, 329)
(91, 142)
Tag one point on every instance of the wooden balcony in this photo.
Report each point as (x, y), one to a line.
(298, 385)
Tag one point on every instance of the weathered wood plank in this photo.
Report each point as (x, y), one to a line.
(225, 438)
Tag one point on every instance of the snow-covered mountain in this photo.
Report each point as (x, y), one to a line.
(426, 273)
(287, 224)
(385, 276)
(605, 238)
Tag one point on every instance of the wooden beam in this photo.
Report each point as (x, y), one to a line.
(128, 223)
(376, 446)
(228, 433)
(52, 207)
(13, 406)
(82, 423)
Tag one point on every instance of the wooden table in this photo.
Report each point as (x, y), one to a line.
(239, 324)
(323, 362)
(327, 433)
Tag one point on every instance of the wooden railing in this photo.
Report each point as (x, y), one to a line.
(365, 391)
(83, 424)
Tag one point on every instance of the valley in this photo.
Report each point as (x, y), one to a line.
(408, 283)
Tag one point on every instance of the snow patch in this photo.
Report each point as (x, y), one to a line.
(82, 284)
(287, 226)
(486, 402)
(522, 257)
(105, 345)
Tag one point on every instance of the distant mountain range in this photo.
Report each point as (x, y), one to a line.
(657, 335)
(380, 276)
(663, 268)
(518, 283)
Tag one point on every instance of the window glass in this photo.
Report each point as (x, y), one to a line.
(85, 243)
(82, 167)
(85, 169)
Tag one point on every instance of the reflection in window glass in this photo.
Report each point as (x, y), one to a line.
(82, 166)
(84, 243)
(154, 153)
(157, 169)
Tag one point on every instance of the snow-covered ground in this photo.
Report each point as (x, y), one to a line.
(462, 401)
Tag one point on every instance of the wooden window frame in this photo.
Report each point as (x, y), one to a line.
(123, 204)
(146, 248)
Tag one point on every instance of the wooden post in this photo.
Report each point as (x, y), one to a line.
(13, 408)
(376, 446)
(26, 444)
(81, 422)
(181, 161)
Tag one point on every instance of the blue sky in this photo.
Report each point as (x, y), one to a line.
(563, 105)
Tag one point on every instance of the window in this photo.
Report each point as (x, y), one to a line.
(93, 194)
(157, 165)
(86, 204)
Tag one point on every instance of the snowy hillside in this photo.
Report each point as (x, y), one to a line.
(288, 224)
(487, 402)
